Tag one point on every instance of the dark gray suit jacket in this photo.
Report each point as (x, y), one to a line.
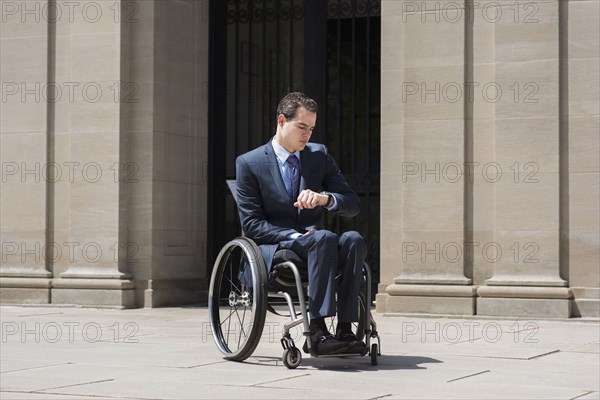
(266, 213)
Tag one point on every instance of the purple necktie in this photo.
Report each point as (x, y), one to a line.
(293, 176)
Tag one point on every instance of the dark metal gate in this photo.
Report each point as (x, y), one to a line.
(262, 49)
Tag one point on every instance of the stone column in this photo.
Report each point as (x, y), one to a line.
(92, 54)
(580, 235)
(169, 133)
(424, 132)
(25, 134)
(526, 174)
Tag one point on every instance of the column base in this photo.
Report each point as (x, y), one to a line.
(173, 292)
(428, 299)
(94, 297)
(23, 290)
(524, 280)
(118, 293)
(586, 302)
(524, 301)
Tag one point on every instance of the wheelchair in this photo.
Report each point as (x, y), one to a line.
(241, 292)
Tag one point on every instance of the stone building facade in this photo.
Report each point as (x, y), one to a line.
(103, 201)
(489, 171)
(490, 158)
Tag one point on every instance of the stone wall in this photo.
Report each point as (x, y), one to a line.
(490, 170)
(103, 145)
(490, 158)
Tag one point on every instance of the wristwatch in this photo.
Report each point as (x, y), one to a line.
(329, 198)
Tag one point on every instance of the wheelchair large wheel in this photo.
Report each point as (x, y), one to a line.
(237, 300)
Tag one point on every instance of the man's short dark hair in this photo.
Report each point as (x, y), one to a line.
(292, 101)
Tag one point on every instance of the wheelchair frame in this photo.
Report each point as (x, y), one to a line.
(254, 297)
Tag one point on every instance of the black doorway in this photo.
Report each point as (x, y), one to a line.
(262, 49)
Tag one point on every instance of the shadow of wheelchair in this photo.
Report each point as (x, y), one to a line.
(351, 364)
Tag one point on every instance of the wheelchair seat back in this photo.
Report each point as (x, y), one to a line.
(283, 277)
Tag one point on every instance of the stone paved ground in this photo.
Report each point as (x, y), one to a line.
(168, 353)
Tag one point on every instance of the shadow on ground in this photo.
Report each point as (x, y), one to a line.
(351, 364)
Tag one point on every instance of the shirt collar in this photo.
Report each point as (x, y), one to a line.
(281, 153)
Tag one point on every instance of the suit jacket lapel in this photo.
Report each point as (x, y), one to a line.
(275, 171)
(273, 166)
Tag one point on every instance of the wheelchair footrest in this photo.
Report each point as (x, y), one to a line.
(344, 354)
(339, 355)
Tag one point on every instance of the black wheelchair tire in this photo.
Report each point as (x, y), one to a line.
(257, 309)
(292, 357)
(374, 355)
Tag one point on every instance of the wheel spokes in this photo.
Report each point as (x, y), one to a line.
(237, 310)
(234, 313)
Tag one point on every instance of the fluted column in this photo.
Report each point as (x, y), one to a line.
(93, 137)
(424, 135)
(25, 135)
(527, 153)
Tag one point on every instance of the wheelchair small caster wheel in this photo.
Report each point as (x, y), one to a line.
(374, 354)
(292, 357)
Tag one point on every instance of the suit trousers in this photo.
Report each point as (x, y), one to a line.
(328, 255)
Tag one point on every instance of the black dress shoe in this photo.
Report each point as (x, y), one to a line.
(325, 344)
(355, 345)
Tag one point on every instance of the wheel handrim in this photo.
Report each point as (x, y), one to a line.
(233, 303)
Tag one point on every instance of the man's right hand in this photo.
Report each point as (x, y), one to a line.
(309, 199)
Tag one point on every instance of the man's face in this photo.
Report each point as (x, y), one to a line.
(294, 134)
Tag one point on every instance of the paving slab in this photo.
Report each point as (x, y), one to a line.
(169, 353)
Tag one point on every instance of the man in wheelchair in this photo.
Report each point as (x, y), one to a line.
(284, 189)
